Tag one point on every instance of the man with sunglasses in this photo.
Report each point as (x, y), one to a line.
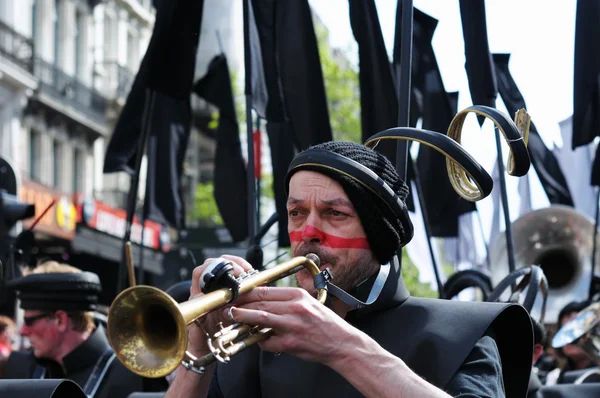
(66, 342)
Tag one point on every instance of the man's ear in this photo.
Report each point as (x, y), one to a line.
(62, 321)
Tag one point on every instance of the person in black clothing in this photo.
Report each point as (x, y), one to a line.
(346, 204)
(58, 302)
(539, 343)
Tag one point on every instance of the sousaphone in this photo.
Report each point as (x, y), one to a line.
(559, 240)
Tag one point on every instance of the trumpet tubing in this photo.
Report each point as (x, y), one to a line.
(147, 328)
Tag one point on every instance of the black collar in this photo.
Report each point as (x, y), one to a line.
(87, 353)
(393, 294)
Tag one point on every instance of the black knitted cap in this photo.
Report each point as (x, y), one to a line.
(384, 229)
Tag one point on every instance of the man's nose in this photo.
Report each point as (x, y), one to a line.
(312, 234)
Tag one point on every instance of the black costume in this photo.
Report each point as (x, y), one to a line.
(92, 364)
(481, 349)
(79, 365)
(437, 344)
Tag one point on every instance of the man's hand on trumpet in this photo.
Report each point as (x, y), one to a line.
(302, 326)
(209, 324)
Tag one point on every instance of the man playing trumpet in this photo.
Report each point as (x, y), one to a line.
(376, 340)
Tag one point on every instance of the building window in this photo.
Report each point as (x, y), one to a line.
(77, 170)
(56, 164)
(56, 17)
(78, 30)
(132, 51)
(35, 155)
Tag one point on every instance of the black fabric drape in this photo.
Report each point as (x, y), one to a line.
(166, 73)
(479, 64)
(378, 100)
(167, 145)
(443, 204)
(586, 90)
(300, 74)
(545, 163)
(230, 178)
(436, 107)
(288, 89)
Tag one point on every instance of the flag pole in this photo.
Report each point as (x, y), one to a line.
(135, 182)
(403, 87)
(510, 252)
(434, 264)
(594, 244)
(249, 132)
(256, 139)
(403, 91)
(485, 244)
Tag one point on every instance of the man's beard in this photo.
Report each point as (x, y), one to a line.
(345, 276)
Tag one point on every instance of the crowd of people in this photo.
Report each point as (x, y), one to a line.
(346, 204)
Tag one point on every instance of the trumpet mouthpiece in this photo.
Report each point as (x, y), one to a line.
(314, 258)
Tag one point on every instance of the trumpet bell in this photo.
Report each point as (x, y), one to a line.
(147, 331)
(559, 240)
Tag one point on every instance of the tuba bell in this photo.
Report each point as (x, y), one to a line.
(559, 240)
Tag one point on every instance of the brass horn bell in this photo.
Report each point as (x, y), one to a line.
(559, 240)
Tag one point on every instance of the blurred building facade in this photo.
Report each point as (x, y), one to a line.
(66, 68)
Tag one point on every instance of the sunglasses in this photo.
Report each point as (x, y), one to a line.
(29, 321)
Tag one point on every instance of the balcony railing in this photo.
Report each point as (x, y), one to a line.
(16, 47)
(118, 81)
(64, 87)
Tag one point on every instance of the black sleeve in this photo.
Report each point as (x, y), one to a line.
(480, 375)
(239, 378)
(215, 390)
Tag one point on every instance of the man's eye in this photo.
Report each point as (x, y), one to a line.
(336, 213)
(293, 213)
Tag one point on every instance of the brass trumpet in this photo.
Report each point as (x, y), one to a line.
(147, 328)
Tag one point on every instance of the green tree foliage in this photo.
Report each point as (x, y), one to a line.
(205, 208)
(342, 89)
(410, 273)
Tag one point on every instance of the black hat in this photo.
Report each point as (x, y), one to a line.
(47, 388)
(180, 291)
(67, 291)
(386, 229)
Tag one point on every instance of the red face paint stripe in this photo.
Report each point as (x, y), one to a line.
(334, 242)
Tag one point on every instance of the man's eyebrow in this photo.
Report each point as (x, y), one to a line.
(330, 202)
(338, 202)
(293, 201)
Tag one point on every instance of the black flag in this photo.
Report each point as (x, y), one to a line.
(300, 74)
(479, 64)
(442, 203)
(164, 81)
(586, 90)
(231, 192)
(167, 145)
(287, 86)
(545, 163)
(378, 101)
